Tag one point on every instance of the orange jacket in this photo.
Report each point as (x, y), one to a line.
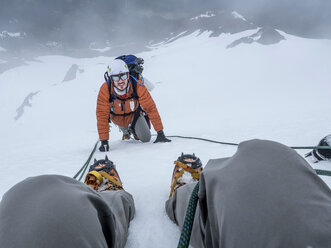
(123, 107)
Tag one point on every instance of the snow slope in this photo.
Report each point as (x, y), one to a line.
(279, 92)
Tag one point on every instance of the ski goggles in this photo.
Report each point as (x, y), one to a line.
(117, 78)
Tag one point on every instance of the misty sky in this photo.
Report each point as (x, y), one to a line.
(80, 22)
(295, 15)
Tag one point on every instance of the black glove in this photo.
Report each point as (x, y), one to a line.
(104, 146)
(161, 137)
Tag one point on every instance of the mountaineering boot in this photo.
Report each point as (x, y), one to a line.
(126, 137)
(135, 136)
(187, 169)
(102, 176)
(126, 133)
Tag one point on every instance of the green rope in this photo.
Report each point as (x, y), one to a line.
(235, 144)
(185, 236)
(323, 172)
(84, 167)
(208, 140)
(311, 147)
(319, 172)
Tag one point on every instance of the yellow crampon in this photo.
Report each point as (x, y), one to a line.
(195, 173)
(94, 179)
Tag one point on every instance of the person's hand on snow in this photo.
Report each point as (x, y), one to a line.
(104, 146)
(161, 137)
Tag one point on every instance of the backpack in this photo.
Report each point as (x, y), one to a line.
(135, 65)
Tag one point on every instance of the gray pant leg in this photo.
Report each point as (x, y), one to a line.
(122, 206)
(57, 211)
(142, 129)
(176, 209)
(264, 196)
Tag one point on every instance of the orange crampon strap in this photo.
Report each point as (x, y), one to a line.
(96, 181)
(195, 174)
(99, 179)
(117, 183)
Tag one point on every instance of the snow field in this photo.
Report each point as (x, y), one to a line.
(279, 92)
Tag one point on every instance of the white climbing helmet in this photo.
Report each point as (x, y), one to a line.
(116, 67)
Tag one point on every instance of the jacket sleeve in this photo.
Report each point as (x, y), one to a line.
(147, 102)
(103, 112)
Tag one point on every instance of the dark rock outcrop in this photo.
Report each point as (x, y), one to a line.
(264, 36)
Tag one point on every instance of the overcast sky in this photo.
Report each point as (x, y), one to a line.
(301, 17)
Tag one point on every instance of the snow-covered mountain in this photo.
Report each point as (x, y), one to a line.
(17, 47)
(202, 88)
(71, 33)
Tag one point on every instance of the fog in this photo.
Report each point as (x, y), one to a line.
(307, 18)
(79, 25)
